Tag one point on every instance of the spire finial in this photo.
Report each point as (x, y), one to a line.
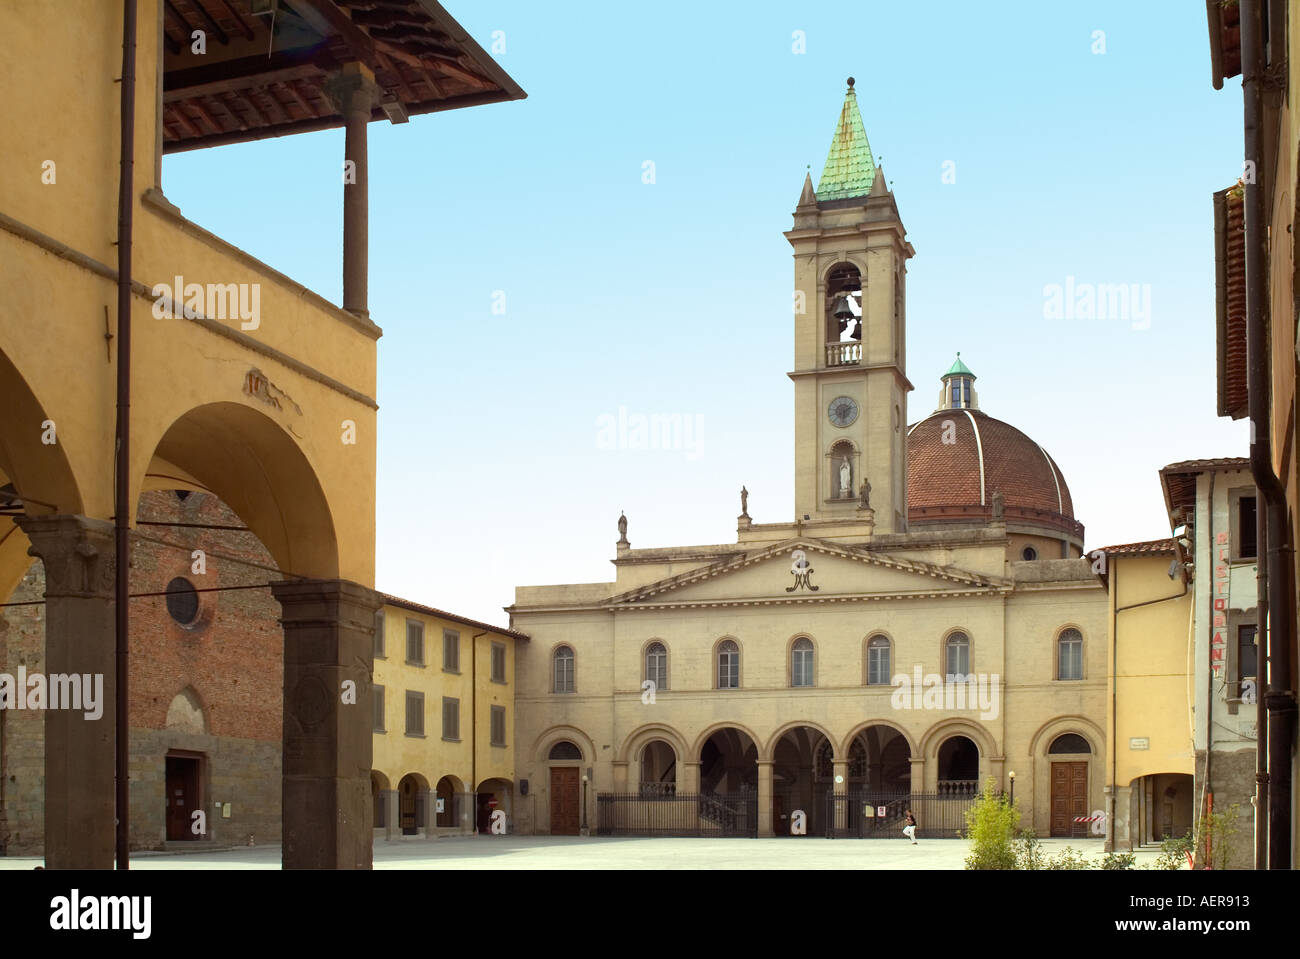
(850, 82)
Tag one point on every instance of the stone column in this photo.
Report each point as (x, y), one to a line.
(329, 630)
(688, 777)
(919, 782)
(392, 814)
(467, 813)
(354, 94)
(840, 788)
(80, 768)
(765, 798)
(427, 800)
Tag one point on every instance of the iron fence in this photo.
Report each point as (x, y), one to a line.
(877, 815)
(680, 814)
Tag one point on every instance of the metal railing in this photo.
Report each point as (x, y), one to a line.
(877, 815)
(677, 814)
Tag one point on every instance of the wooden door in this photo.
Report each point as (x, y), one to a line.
(1069, 796)
(407, 800)
(565, 801)
(182, 784)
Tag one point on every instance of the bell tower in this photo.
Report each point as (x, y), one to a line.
(850, 266)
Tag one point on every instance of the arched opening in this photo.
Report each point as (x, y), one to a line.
(728, 762)
(1070, 757)
(565, 794)
(959, 767)
(495, 815)
(802, 774)
(844, 304)
(880, 762)
(658, 769)
(412, 804)
(447, 802)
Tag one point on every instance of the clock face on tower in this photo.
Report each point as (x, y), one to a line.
(842, 411)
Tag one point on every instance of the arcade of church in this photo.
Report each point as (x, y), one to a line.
(826, 655)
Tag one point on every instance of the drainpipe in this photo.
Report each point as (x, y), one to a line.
(1114, 686)
(122, 464)
(473, 723)
(1279, 698)
(1261, 714)
(1209, 681)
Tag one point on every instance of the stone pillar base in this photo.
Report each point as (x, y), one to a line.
(328, 641)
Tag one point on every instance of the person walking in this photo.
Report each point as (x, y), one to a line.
(909, 827)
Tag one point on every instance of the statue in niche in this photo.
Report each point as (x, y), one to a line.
(866, 494)
(846, 473)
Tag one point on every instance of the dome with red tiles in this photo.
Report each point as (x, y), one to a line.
(958, 457)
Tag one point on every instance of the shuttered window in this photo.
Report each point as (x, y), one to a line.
(498, 725)
(414, 713)
(450, 718)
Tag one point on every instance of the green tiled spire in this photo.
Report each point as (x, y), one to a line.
(958, 369)
(850, 167)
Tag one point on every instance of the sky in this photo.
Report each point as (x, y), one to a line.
(534, 288)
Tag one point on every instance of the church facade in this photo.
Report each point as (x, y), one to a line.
(926, 621)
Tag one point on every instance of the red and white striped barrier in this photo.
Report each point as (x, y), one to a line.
(1088, 818)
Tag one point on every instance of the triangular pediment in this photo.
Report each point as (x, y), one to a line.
(808, 570)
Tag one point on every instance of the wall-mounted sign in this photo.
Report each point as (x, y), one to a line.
(1139, 742)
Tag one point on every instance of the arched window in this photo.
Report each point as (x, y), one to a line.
(1029, 554)
(825, 760)
(656, 665)
(801, 662)
(728, 665)
(1069, 654)
(878, 665)
(1070, 743)
(957, 654)
(564, 670)
(564, 750)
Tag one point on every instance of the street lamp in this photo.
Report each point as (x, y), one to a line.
(1012, 777)
(584, 805)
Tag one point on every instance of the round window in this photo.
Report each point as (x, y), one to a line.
(182, 601)
(1029, 553)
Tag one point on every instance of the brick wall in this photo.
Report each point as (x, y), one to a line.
(212, 686)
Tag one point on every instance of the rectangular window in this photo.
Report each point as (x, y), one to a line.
(1246, 546)
(414, 713)
(729, 671)
(377, 697)
(451, 719)
(415, 642)
(498, 662)
(498, 725)
(450, 651)
(803, 667)
(379, 635)
(1247, 653)
(1070, 663)
(878, 665)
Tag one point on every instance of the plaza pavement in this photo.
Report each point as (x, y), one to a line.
(571, 852)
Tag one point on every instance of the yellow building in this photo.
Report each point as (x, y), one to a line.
(444, 751)
(237, 380)
(1149, 722)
